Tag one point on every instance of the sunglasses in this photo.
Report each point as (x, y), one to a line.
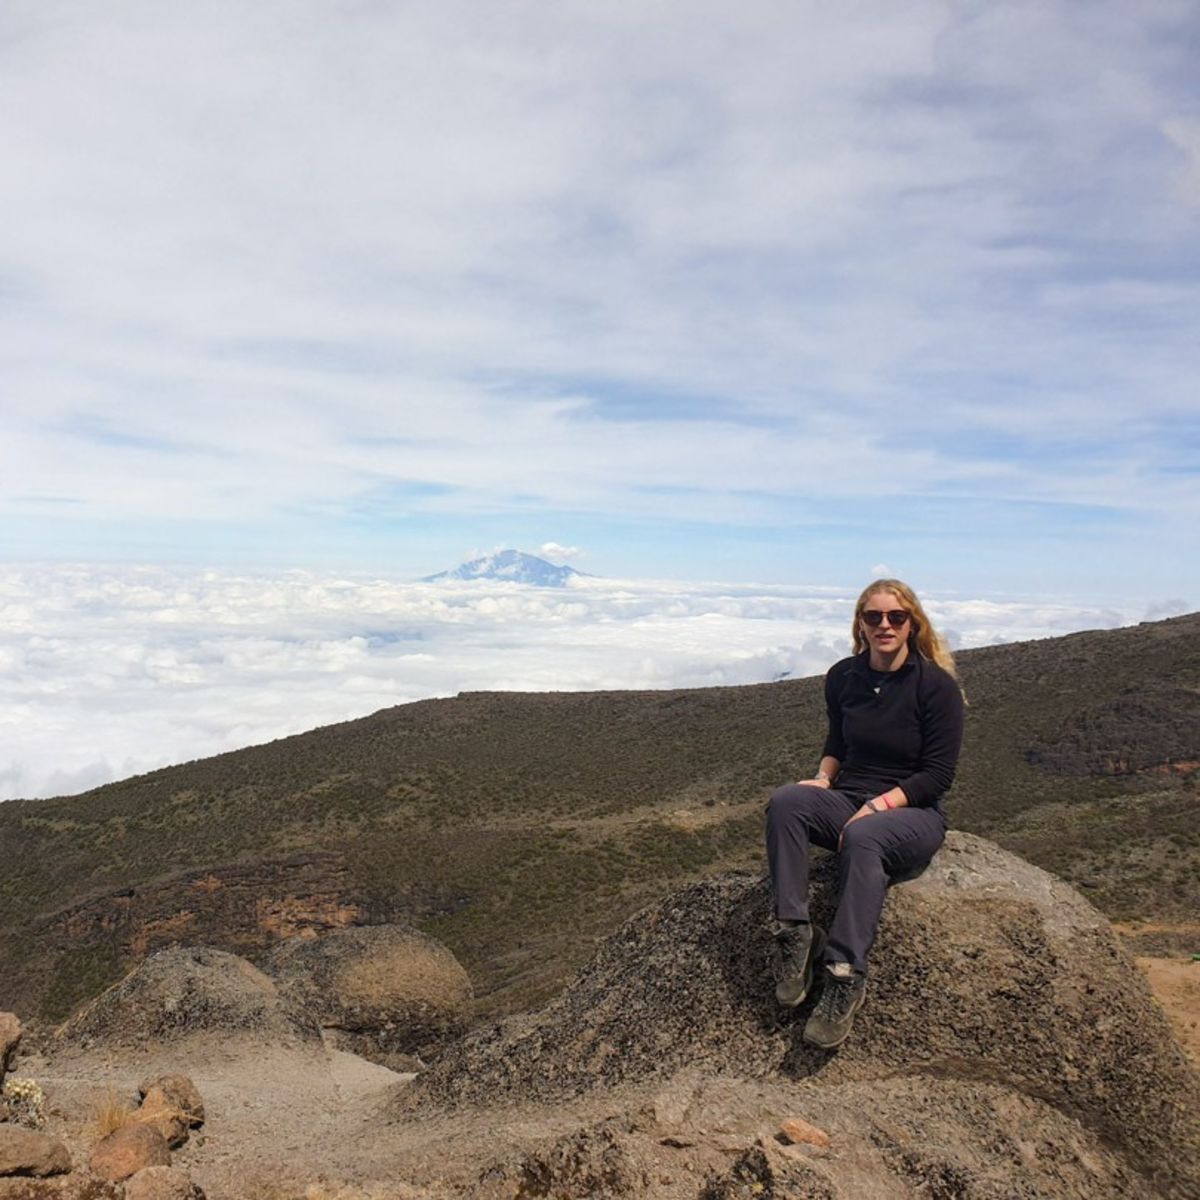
(897, 618)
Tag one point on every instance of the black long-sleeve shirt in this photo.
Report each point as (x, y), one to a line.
(907, 735)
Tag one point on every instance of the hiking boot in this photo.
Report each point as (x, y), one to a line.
(792, 963)
(841, 997)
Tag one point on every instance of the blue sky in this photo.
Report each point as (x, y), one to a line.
(773, 292)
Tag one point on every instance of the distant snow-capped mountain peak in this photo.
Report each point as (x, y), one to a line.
(512, 566)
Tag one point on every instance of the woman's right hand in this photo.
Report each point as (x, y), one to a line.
(819, 781)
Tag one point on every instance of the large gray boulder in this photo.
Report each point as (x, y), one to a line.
(381, 991)
(181, 992)
(987, 972)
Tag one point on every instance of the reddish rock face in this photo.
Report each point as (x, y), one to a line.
(128, 1150)
(238, 908)
(27, 1152)
(244, 909)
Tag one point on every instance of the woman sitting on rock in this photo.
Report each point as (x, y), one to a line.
(895, 727)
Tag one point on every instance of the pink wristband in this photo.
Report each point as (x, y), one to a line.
(888, 801)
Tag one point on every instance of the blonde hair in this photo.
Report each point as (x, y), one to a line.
(922, 637)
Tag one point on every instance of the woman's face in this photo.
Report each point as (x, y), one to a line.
(885, 637)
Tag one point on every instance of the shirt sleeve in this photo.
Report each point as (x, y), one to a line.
(941, 740)
(835, 740)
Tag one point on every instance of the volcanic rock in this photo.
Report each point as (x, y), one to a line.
(181, 1092)
(796, 1130)
(128, 1150)
(76, 1186)
(986, 970)
(162, 1183)
(377, 990)
(755, 1176)
(160, 1113)
(593, 1162)
(27, 1152)
(183, 991)
(10, 1038)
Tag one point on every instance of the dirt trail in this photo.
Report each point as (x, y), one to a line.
(1134, 928)
(1176, 986)
(304, 1122)
(1174, 978)
(278, 1117)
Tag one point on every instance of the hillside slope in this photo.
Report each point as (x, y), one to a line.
(518, 827)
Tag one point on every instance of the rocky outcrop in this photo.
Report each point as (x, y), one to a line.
(987, 970)
(242, 906)
(377, 991)
(180, 992)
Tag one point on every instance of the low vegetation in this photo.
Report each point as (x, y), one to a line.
(111, 1112)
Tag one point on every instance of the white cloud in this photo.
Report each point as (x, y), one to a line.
(108, 672)
(552, 550)
(882, 571)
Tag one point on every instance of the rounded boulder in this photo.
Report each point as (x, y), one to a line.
(987, 971)
(180, 992)
(380, 991)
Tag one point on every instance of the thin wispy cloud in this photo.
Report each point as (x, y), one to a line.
(286, 279)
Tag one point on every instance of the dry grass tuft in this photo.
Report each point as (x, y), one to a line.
(110, 1113)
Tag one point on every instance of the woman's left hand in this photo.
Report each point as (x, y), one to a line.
(866, 811)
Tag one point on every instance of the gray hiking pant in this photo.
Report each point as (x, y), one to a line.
(876, 850)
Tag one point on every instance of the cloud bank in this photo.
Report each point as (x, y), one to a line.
(107, 672)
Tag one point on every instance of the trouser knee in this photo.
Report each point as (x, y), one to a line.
(793, 799)
(859, 840)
